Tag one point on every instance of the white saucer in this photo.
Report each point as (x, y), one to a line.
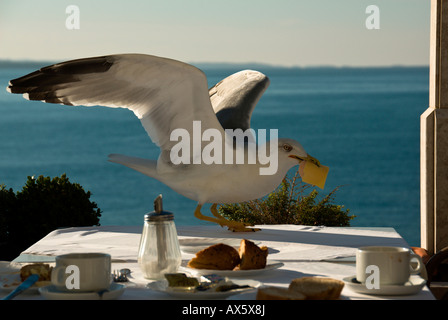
(270, 265)
(51, 293)
(413, 286)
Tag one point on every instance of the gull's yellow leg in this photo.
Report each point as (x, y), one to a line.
(232, 225)
(215, 212)
(198, 214)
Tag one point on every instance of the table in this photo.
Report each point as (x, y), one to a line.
(304, 251)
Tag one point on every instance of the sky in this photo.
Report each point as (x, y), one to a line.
(281, 32)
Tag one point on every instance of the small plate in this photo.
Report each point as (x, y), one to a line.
(270, 265)
(194, 245)
(162, 285)
(413, 286)
(52, 293)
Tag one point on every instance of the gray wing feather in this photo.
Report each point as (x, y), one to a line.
(235, 97)
(164, 94)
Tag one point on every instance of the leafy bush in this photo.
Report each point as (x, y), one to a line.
(288, 205)
(43, 205)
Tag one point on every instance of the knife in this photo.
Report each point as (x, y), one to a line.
(23, 286)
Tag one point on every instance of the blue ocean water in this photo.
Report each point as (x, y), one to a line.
(364, 123)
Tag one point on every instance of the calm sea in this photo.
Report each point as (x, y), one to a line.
(361, 122)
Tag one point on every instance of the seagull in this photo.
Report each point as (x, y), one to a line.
(166, 95)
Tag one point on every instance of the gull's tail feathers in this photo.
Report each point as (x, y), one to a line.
(145, 166)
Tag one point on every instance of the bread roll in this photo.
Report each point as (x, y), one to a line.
(278, 293)
(317, 288)
(252, 256)
(41, 269)
(216, 257)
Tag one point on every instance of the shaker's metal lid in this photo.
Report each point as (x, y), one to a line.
(158, 214)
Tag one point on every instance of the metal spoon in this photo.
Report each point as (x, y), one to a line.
(125, 271)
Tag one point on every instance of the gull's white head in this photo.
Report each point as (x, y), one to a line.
(291, 150)
(292, 153)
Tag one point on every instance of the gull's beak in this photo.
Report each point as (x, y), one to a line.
(311, 170)
(307, 158)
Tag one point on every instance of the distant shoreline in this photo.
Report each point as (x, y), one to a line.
(4, 64)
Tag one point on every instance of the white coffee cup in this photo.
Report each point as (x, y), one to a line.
(82, 272)
(394, 264)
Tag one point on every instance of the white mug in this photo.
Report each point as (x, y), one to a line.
(394, 265)
(82, 272)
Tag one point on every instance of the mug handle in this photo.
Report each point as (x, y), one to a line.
(420, 264)
(57, 276)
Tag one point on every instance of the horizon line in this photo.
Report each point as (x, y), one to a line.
(230, 64)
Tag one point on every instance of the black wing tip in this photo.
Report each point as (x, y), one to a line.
(34, 94)
(80, 66)
(11, 88)
(60, 73)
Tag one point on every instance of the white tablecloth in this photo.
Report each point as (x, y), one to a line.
(289, 242)
(304, 250)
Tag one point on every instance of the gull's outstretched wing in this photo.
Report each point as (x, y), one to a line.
(235, 97)
(164, 94)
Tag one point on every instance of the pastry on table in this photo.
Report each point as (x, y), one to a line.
(216, 257)
(318, 288)
(252, 256)
(306, 288)
(42, 269)
(224, 257)
(278, 293)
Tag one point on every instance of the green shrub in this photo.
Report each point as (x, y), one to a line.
(43, 205)
(288, 204)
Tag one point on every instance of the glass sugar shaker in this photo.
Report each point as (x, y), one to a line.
(159, 251)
